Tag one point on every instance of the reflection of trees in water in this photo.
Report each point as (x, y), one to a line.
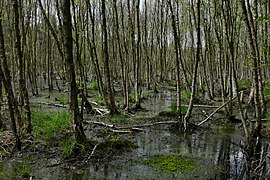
(256, 158)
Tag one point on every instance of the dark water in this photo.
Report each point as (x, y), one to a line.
(215, 152)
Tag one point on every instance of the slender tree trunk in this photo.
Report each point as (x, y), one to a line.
(22, 82)
(76, 118)
(138, 61)
(6, 78)
(177, 62)
(248, 22)
(111, 103)
(195, 69)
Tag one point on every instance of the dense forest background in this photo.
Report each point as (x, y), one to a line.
(214, 48)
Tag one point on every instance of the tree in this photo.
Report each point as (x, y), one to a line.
(196, 65)
(76, 118)
(6, 79)
(108, 88)
(22, 83)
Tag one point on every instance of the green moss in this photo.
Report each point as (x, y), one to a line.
(170, 163)
(115, 145)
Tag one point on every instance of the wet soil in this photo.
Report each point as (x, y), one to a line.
(214, 151)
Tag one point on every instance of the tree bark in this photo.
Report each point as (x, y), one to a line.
(76, 118)
(111, 103)
(248, 22)
(22, 82)
(195, 69)
(6, 78)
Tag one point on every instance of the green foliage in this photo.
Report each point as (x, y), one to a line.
(132, 96)
(186, 95)
(184, 109)
(93, 85)
(266, 90)
(64, 100)
(118, 118)
(268, 118)
(70, 147)
(50, 124)
(174, 106)
(23, 170)
(99, 100)
(170, 163)
(244, 84)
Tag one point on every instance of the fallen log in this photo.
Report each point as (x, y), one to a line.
(99, 123)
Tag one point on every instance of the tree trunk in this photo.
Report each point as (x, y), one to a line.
(76, 118)
(195, 68)
(111, 103)
(22, 83)
(255, 60)
(6, 78)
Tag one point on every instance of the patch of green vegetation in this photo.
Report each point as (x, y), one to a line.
(50, 124)
(99, 100)
(64, 100)
(118, 118)
(170, 163)
(93, 85)
(23, 170)
(173, 111)
(174, 106)
(268, 118)
(244, 83)
(132, 96)
(266, 90)
(70, 147)
(185, 95)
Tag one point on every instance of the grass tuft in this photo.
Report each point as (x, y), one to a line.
(70, 147)
(50, 124)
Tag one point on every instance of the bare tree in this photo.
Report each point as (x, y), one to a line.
(76, 118)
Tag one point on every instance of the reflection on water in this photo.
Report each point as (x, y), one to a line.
(216, 153)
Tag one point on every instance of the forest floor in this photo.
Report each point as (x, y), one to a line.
(109, 138)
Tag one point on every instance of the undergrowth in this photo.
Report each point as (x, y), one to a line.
(50, 124)
(70, 147)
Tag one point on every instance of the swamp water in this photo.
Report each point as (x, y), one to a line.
(215, 153)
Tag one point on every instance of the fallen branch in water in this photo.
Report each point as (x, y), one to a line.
(130, 128)
(220, 107)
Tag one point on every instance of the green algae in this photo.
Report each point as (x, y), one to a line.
(170, 163)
